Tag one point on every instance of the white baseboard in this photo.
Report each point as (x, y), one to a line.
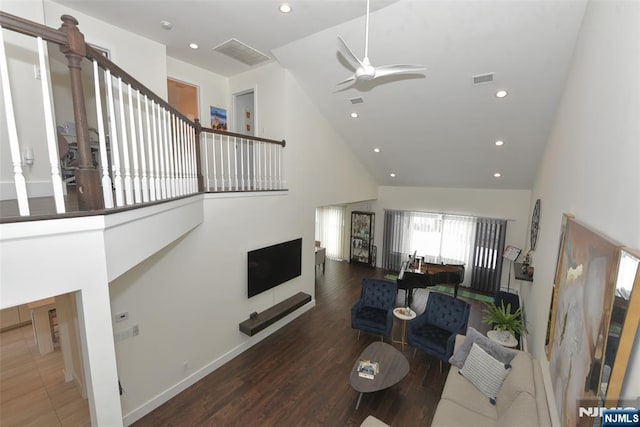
(187, 382)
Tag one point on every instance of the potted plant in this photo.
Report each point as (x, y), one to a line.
(502, 320)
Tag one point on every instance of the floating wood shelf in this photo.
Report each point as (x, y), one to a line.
(273, 314)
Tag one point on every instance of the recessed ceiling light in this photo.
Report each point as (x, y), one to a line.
(501, 94)
(354, 115)
(392, 175)
(376, 150)
(285, 8)
(166, 25)
(193, 45)
(499, 143)
(497, 174)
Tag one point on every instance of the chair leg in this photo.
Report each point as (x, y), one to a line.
(414, 352)
(381, 338)
(441, 367)
(358, 334)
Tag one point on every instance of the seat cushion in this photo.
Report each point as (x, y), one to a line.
(522, 412)
(430, 336)
(451, 414)
(370, 317)
(520, 379)
(458, 389)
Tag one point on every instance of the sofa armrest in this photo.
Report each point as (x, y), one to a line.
(459, 340)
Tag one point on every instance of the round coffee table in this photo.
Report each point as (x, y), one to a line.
(393, 368)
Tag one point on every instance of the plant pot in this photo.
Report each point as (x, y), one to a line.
(504, 336)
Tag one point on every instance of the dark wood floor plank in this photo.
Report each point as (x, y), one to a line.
(299, 376)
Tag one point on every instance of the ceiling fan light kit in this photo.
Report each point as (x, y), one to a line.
(365, 71)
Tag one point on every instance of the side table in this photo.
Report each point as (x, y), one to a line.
(510, 342)
(404, 314)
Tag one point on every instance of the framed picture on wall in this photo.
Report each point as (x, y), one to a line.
(218, 118)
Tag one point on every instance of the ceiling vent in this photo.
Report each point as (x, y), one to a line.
(483, 78)
(241, 52)
(356, 100)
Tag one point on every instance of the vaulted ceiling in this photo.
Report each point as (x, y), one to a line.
(435, 128)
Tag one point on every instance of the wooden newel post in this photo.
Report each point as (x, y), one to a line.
(198, 157)
(87, 176)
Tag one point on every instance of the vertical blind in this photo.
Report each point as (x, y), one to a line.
(330, 230)
(477, 242)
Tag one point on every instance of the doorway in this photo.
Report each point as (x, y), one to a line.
(244, 112)
(184, 98)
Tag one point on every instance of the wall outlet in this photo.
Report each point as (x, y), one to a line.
(135, 330)
(36, 72)
(121, 316)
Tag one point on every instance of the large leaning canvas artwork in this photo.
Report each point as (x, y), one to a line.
(582, 312)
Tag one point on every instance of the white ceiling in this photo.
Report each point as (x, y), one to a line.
(435, 129)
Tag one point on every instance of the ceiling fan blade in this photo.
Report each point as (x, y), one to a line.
(387, 70)
(350, 54)
(352, 78)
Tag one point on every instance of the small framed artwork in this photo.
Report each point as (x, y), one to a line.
(218, 118)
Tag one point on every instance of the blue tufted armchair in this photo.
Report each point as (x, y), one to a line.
(374, 310)
(435, 330)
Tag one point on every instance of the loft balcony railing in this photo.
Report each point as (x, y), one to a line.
(131, 150)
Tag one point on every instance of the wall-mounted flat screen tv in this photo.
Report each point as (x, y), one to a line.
(271, 266)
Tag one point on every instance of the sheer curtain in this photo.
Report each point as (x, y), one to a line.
(330, 230)
(436, 235)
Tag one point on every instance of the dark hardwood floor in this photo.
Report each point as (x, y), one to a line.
(299, 376)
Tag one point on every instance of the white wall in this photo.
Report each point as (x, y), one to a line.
(591, 163)
(189, 298)
(213, 89)
(142, 58)
(512, 205)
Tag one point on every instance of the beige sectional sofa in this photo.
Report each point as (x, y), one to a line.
(522, 400)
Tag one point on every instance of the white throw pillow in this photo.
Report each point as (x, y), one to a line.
(485, 372)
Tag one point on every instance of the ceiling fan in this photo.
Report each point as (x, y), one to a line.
(365, 70)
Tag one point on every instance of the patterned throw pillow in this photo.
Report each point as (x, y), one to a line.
(485, 372)
(493, 348)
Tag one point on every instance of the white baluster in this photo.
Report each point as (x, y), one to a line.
(242, 164)
(162, 148)
(280, 176)
(171, 182)
(113, 139)
(107, 191)
(137, 192)
(181, 158)
(128, 183)
(235, 162)
(222, 181)
(176, 135)
(215, 173)
(270, 147)
(193, 146)
(254, 168)
(204, 136)
(188, 158)
(14, 144)
(143, 160)
(52, 143)
(229, 163)
(151, 141)
(156, 156)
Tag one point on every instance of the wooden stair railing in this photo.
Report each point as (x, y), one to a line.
(150, 151)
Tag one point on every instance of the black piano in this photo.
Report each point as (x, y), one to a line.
(422, 272)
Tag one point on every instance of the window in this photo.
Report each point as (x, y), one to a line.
(474, 241)
(330, 230)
